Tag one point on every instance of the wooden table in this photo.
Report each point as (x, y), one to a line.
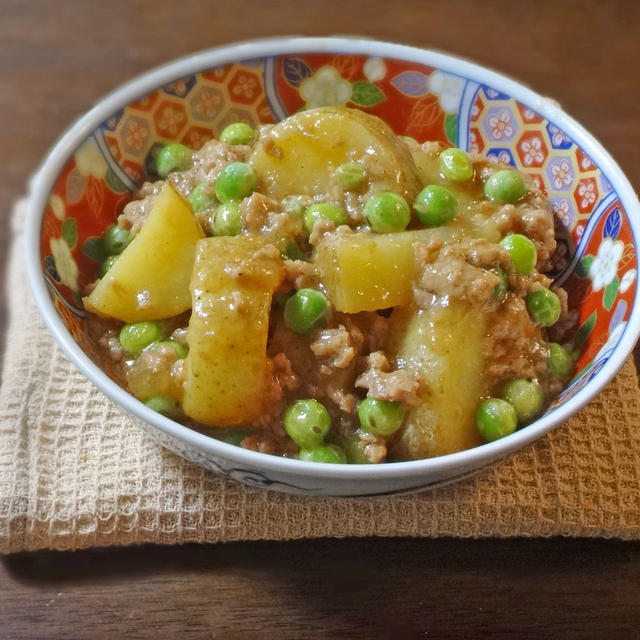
(56, 59)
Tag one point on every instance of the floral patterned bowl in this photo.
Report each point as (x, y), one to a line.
(102, 159)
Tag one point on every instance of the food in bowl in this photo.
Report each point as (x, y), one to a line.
(324, 289)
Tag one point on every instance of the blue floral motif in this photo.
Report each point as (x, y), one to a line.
(493, 94)
(295, 71)
(612, 224)
(112, 122)
(181, 87)
(502, 155)
(411, 83)
(558, 138)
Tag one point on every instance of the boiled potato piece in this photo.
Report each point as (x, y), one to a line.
(150, 280)
(369, 271)
(445, 347)
(226, 371)
(303, 152)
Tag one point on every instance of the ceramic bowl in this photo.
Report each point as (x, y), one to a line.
(103, 158)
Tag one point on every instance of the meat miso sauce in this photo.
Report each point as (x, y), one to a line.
(323, 289)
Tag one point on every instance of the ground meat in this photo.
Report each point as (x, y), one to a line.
(460, 272)
(152, 373)
(208, 163)
(567, 321)
(374, 447)
(299, 274)
(262, 215)
(338, 346)
(319, 229)
(110, 341)
(255, 210)
(180, 335)
(283, 372)
(269, 145)
(377, 332)
(136, 211)
(382, 383)
(261, 265)
(514, 346)
(318, 376)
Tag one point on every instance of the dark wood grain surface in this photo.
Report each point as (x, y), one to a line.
(56, 59)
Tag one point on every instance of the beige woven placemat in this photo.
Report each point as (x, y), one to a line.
(75, 473)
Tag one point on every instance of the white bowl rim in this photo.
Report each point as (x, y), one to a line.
(141, 85)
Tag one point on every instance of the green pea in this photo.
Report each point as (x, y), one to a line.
(237, 133)
(136, 337)
(351, 175)
(521, 251)
(329, 453)
(235, 436)
(354, 448)
(380, 417)
(106, 265)
(305, 310)
(495, 418)
(236, 181)
(387, 212)
(165, 405)
(173, 157)
(544, 307)
(280, 299)
(324, 211)
(116, 240)
(560, 363)
(525, 396)
(500, 290)
(227, 221)
(435, 205)
(505, 186)
(306, 422)
(201, 197)
(292, 207)
(180, 349)
(290, 251)
(455, 165)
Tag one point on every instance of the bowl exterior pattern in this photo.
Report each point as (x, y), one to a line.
(598, 266)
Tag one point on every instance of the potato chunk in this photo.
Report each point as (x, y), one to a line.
(302, 153)
(226, 371)
(369, 271)
(150, 280)
(444, 346)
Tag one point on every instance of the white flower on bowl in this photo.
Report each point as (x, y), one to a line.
(325, 88)
(374, 69)
(562, 209)
(501, 126)
(89, 160)
(561, 172)
(532, 151)
(65, 264)
(448, 88)
(474, 146)
(604, 267)
(587, 191)
(627, 280)
(57, 206)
